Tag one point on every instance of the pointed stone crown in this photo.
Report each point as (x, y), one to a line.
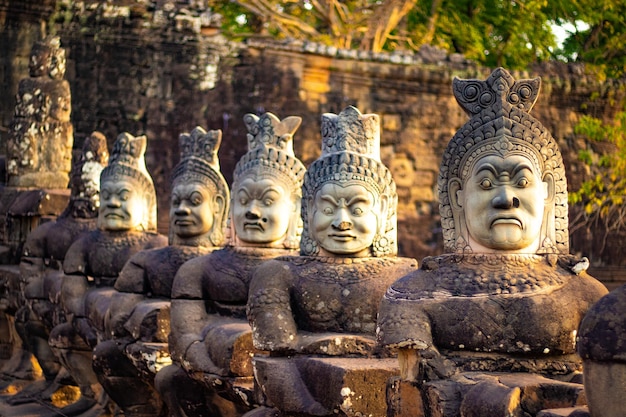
(351, 131)
(127, 159)
(270, 148)
(500, 124)
(350, 151)
(199, 161)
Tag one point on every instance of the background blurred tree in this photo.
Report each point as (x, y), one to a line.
(599, 202)
(510, 33)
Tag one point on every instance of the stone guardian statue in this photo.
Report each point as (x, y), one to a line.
(316, 313)
(506, 296)
(136, 348)
(41, 267)
(126, 225)
(41, 135)
(210, 340)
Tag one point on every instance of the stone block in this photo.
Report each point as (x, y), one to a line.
(565, 412)
(346, 386)
(404, 399)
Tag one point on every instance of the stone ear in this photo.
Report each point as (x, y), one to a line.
(384, 211)
(216, 235)
(550, 187)
(455, 193)
(218, 205)
(294, 229)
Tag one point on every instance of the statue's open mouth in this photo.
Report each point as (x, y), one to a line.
(114, 216)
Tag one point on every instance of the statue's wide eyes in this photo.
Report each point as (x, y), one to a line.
(485, 183)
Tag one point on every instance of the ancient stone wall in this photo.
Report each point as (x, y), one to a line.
(161, 68)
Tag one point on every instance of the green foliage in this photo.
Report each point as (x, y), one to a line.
(602, 196)
(510, 33)
(603, 41)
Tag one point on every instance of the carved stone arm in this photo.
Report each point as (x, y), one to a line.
(145, 322)
(122, 307)
(188, 320)
(269, 308)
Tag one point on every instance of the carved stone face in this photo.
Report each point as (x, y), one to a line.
(122, 205)
(345, 219)
(262, 210)
(503, 202)
(39, 62)
(191, 210)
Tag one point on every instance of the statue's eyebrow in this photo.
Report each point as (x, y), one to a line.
(329, 198)
(269, 190)
(521, 167)
(357, 199)
(486, 166)
(243, 188)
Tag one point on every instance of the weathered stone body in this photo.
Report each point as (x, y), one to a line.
(210, 339)
(136, 323)
(316, 313)
(41, 134)
(602, 346)
(41, 265)
(486, 312)
(126, 225)
(325, 295)
(508, 297)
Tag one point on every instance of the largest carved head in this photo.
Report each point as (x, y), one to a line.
(350, 201)
(267, 184)
(502, 185)
(127, 195)
(200, 196)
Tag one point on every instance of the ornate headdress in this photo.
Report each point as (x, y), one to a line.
(500, 124)
(270, 152)
(351, 152)
(127, 162)
(199, 163)
(270, 148)
(85, 178)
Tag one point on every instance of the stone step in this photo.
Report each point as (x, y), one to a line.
(581, 411)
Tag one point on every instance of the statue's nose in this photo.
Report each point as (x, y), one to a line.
(505, 199)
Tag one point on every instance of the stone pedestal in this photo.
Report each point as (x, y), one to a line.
(475, 394)
(343, 386)
(23, 210)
